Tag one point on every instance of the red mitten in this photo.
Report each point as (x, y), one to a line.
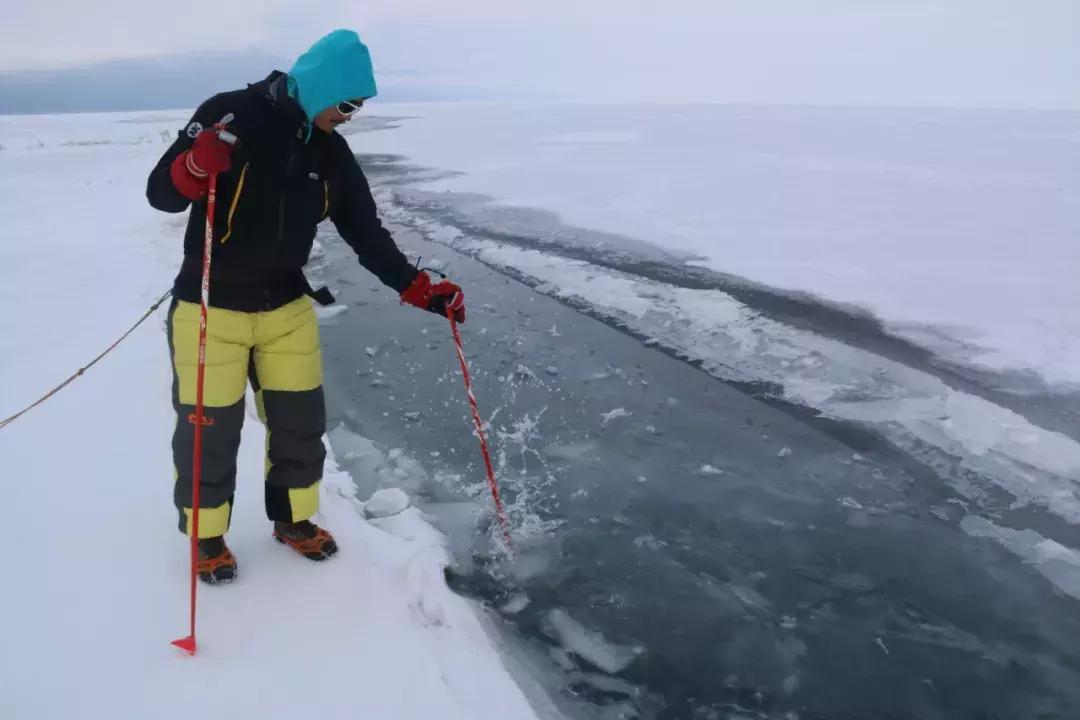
(446, 295)
(210, 154)
(438, 298)
(192, 168)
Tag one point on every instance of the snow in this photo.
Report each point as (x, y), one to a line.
(97, 574)
(958, 228)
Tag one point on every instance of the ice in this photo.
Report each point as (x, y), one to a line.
(841, 381)
(394, 468)
(516, 603)
(593, 137)
(607, 684)
(386, 502)
(989, 303)
(957, 228)
(1057, 563)
(624, 710)
(562, 658)
(710, 470)
(649, 541)
(571, 451)
(614, 415)
(357, 453)
(590, 645)
(524, 373)
(326, 314)
(530, 562)
(749, 597)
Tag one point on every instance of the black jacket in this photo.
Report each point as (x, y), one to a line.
(280, 186)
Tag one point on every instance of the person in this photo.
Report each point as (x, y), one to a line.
(288, 171)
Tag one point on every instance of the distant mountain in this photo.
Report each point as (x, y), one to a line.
(176, 82)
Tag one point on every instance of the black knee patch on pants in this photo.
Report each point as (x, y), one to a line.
(295, 423)
(220, 443)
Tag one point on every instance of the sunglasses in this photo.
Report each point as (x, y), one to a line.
(347, 107)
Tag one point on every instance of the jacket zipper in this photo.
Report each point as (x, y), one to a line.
(279, 239)
(289, 167)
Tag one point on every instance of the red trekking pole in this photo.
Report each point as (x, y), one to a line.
(199, 418)
(499, 511)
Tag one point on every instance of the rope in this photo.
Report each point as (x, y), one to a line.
(7, 421)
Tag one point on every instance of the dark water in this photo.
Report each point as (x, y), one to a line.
(706, 551)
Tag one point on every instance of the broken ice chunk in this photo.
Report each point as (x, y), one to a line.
(327, 313)
(386, 502)
(591, 645)
(515, 604)
(618, 412)
(524, 373)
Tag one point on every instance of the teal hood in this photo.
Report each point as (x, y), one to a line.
(336, 68)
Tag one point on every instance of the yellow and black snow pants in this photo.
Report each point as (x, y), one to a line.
(278, 352)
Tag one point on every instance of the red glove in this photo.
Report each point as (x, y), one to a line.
(191, 169)
(438, 298)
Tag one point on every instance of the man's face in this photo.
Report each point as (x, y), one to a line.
(334, 115)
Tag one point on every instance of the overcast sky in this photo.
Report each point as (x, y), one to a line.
(1012, 53)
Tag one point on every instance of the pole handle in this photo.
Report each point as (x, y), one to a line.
(224, 135)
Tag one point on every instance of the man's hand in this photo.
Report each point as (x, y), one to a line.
(191, 169)
(438, 298)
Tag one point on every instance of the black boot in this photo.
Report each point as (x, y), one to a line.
(216, 564)
(306, 538)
